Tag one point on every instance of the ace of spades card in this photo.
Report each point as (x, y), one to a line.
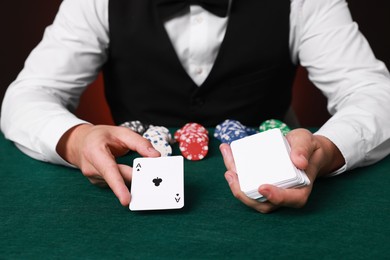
(157, 183)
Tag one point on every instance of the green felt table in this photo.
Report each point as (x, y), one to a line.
(50, 211)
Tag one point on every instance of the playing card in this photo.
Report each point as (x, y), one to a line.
(264, 158)
(157, 183)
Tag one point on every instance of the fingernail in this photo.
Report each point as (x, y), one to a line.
(264, 192)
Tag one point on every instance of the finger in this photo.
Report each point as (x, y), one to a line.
(227, 157)
(126, 172)
(302, 147)
(232, 179)
(109, 170)
(263, 207)
(138, 143)
(266, 207)
(92, 174)
(295, 198)
(98, 181)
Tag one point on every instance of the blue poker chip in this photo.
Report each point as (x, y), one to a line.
(231, 130)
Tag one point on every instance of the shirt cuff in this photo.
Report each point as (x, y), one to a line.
(347, 139)
(52, 133)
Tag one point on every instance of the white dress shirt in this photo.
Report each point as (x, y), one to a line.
(323, 38)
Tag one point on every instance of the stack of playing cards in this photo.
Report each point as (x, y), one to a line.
(157, 183)
(264, 158)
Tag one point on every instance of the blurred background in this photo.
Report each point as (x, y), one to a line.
(22, 23)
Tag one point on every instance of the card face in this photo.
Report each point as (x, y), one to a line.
(264, 158)
(157, 183)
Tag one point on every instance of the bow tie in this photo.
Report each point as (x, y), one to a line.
(172, 7)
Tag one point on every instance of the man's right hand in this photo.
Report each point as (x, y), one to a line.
(93, 149)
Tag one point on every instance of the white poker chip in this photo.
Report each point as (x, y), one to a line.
(162, 146)
(160, 138)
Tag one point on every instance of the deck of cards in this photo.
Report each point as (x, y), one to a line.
(264, 158)
(157, 183)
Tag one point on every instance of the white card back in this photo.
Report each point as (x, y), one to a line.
(263, 158)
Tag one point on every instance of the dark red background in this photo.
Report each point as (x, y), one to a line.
(22, 23)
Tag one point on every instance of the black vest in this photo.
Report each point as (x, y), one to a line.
(251, 79)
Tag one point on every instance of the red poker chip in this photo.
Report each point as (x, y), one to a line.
(199, 136)
(177, 134)
(194, 150)
(193, 141)
(190, 129)
(194, 127)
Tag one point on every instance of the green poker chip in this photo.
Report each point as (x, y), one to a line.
(274, 123)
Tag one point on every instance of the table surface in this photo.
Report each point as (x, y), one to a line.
(50, 211)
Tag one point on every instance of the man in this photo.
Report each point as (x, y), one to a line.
(167, 63)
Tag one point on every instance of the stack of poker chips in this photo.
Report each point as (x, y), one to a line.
(135, 126)
(230, 130)
(274, 123)
(193, 141)
(160, 138)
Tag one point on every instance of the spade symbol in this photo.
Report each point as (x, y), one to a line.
(138, 167)
(157, 181)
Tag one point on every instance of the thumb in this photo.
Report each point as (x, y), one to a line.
(301, 143)
(295, 198)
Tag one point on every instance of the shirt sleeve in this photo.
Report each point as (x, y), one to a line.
(327, 42)
(36, 108)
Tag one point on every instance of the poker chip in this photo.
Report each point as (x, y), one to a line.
(135, 126)
(160, 138)
(274, 123)
(163, 130)
(193, 149)
(193, 141)
(231, 130)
